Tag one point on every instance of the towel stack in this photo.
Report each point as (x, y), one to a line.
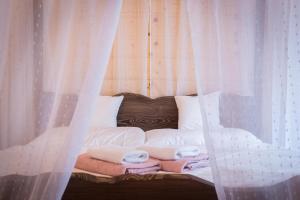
(178, 159)
(116, 160)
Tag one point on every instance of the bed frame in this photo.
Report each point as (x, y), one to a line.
(140, 111)
(146, 113)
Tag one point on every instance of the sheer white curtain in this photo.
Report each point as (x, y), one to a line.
(172, 66)
(53, 61)
(254, 49)
(163, 58)
(128, 66)
(3, 43)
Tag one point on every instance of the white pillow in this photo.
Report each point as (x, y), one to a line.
(167, 137)
(105, 114)
(189, 114)
(121, 136)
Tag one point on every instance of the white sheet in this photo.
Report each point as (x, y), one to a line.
(52, 140)
(261, 166)
(121, 136)
(280, 158)
(240, 154)
(164, 137)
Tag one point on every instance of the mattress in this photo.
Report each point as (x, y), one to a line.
(258, 174)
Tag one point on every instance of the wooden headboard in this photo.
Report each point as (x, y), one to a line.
(141, 111)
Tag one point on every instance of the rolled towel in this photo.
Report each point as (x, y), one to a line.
(87, 163)
(118, 154)
(171, 152)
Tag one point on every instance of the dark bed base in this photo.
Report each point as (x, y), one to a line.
(139, 187)
(84, 186)
(148, 187)
(170, 186)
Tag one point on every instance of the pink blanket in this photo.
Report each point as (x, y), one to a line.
(186, 164)
(87, 163)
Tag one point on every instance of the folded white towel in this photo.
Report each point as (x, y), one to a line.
(118, 154)
(171, 152)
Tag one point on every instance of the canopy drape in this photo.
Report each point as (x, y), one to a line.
(54, 56)
(53, 64)
(255, 49)
(171, 58)
(128, 65)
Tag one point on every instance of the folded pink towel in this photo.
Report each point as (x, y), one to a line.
(87, 163)
(185, 164)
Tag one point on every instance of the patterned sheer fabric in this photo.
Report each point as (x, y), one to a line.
(53, 63)
(171, 60)
(152, 52)
(128, 66)
(256, 50)
(53, 59)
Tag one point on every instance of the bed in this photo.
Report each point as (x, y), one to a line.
(146, 113)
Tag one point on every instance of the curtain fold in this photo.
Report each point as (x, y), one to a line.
(255, 47)
(4, 31)
(54, 70)
(56, 56)
(17, 73)
(171, 61)
(128, 66)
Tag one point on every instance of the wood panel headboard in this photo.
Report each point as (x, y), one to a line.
(141, 111)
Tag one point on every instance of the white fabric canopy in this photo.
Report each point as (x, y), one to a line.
(54, 51)
(127, 69)
(256, 47)
(54, 60)
(171, 59)
(152, 52)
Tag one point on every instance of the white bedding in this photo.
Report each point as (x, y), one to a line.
(165, 137)
(44, 149)
(122, 136)
(259, 164)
